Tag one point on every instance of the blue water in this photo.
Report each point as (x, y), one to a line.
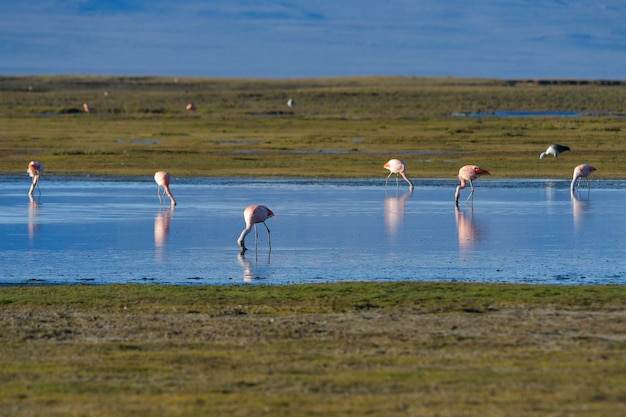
(101, 231)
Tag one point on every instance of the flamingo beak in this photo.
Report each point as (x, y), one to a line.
(483, 172)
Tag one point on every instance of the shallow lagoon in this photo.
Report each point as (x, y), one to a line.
(102, 231)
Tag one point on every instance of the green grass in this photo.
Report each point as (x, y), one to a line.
(380, 349)
(343, 127)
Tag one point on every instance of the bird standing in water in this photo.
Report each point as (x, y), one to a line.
(162, 178)
(468, 173)
(582, 171)
(554, 150)
(35, 169)
(396, 166)
(252, 215)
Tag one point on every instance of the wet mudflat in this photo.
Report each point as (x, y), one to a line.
(104, 231)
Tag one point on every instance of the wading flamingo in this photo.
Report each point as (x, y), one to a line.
(252, 215)
(554, 150)
(468, 173)
(35, 169)
(582, 171)
(396, 166)
(162, 178)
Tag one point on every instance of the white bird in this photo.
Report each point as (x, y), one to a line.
(582, 171)
(252, 215)
(554, 150)
(291, 102)
(396, 166)
(468, 173)
(35, 169)
(162, 178)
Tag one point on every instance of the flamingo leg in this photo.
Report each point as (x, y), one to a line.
(387, 180)
(269, 240)
(159, 193)
(256, 237)
(471, 194)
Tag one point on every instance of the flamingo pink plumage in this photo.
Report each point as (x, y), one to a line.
(582, 171)
(252, 215)
(396, 166)
(35, 169)
(162, 178)
(468, 173)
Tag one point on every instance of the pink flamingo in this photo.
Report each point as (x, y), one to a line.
(191, 107)
(252, 215)
(35, 169)
(162, 178)
(468, 173)
(396, 166)
(582, 171)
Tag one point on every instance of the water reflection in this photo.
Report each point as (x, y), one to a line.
(394, 211)
(249, 271)
(33, 221)
(469, 232)
(580, 205)
(162, 230)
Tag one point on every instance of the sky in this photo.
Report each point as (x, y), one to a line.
(526, 39)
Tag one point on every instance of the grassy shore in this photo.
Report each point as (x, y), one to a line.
(343, 127)
(379, 349)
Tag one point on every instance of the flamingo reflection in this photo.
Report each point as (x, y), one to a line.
(162, 230)
(469, 233)
(580, 205)
(394, 211)
(249, 273)
(33, 223)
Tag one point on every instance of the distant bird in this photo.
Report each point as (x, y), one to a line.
(396, 166)
(582, 171)
(86, 107)
(291, 102)
(252, 215)
(191, 107)
(35, 169)
(162, 178)
(468, 173)
(554, 150)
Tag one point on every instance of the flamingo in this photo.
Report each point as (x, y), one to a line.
(191, 107)
(582, 171)
(252, 215)
(162, 178)
(468, 173)
(554, 150)
(396, 166)
(291, 102)
(35, 169)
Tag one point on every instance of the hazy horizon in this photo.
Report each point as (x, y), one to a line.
(521, 39)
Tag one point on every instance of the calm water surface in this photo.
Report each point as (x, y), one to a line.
(105, 231)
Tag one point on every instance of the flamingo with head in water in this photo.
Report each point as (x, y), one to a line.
(35, 169)
(396, 166)
(162, 178)
(468, 173)
(252, 215)
(582, 171)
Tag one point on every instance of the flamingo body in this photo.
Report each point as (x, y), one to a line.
(582, 171)
(396, 166)
(554, 150)
(162, 178)
(252, 215)
(35, 169)
(468, 173)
